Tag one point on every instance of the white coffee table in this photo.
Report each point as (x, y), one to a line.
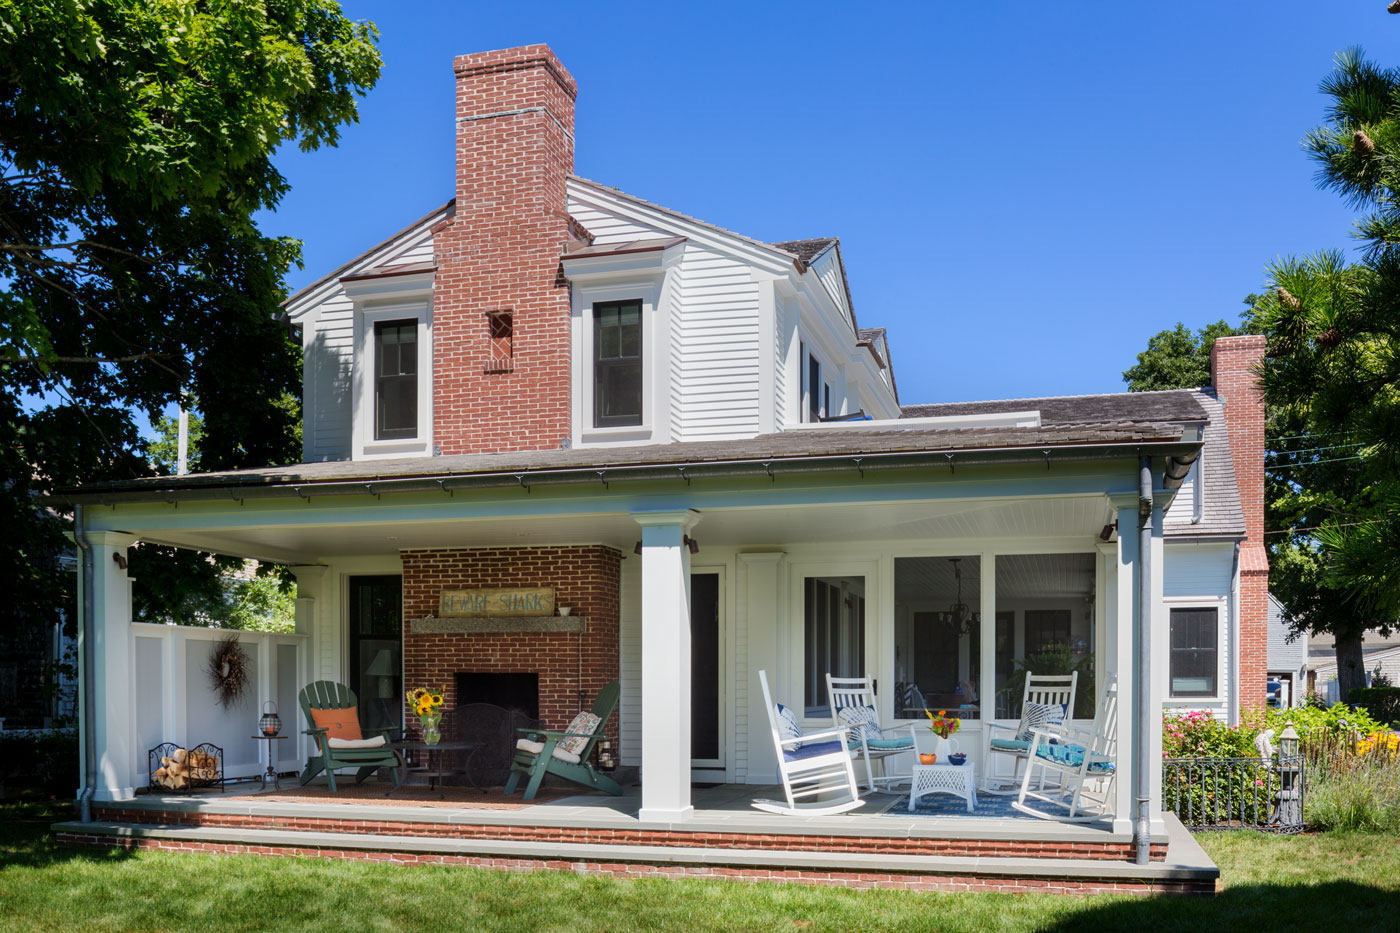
(958, 780)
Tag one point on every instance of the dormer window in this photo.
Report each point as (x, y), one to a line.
(395, 380)
(617, 364)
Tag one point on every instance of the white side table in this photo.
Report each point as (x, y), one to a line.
(958, 780)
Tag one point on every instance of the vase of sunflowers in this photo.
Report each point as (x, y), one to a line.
(943, 726)
(426, 704)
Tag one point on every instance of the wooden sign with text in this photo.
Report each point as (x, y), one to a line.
(521, 601)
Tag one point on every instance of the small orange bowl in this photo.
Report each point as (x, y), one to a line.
(927, 759)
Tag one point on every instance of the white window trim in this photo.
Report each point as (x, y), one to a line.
(363, 443)
(1222, 660)
(794, 683)
(656, 389)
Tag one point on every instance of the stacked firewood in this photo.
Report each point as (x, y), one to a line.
(178, 770)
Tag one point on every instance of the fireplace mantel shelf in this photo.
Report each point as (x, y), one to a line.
(433, 625)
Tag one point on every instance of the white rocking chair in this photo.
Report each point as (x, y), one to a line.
(853, 707)
(1045, 689)
(1078, 757)
(811, 766)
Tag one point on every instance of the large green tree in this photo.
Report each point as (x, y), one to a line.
(136, 145)
(1176, 358)
(1334, 333)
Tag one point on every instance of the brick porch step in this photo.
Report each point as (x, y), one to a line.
(1186, 870)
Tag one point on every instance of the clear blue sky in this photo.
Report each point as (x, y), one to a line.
(1025, 192)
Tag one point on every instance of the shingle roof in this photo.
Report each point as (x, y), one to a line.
(1221, 513)
(806, 250)
(1171, 405)
(775, 448)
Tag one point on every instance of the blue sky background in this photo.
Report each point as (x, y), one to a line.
(1025, 192)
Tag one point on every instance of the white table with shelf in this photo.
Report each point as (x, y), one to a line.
(958, 780)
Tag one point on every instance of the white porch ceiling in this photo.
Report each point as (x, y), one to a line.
(942, 521)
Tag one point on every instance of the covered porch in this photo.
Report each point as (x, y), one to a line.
(846, 565)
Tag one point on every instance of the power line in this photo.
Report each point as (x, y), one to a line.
(1289, 531)
(1289, 466)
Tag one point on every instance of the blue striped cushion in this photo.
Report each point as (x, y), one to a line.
(1071, 756)
(812, 750)
(1011, 745)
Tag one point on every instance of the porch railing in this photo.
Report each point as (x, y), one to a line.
(1235, 793)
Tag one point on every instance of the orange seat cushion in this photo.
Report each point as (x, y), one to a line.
(338, 723)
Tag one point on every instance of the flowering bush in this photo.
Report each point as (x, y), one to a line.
(1197, 734)
(1353, 768)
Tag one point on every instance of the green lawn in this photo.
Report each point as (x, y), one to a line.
(1349, 883)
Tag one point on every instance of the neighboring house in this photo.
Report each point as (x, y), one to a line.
(1288, 658)
(1382, 659)
(687, 434)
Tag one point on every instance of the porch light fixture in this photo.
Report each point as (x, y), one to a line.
(692, 545)
(1108, 530)
(959, 616)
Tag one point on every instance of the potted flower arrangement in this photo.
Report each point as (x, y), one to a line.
(426, 704)
(943, 726)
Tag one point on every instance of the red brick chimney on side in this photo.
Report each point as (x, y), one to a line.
(1233, 365)
(501, 332)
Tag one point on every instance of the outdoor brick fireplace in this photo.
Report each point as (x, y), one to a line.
(571, 667)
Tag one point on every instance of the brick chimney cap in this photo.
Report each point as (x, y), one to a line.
(520, 58)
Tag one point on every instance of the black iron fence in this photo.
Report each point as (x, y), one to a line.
(1235, 793)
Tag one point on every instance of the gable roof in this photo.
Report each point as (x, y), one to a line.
(359, 263)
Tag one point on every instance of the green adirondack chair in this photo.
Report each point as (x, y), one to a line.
(327, 694)
(537, 764)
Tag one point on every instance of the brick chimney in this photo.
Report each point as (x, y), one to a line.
(1233, 361)
(500, 309)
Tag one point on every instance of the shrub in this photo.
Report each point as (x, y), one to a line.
(46, 758)
(1381, 702)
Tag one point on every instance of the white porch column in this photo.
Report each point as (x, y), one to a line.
(1155, 664)
(1145, 641)
(310, 607)
(763, 612)
(665, 665)
(1119, 655)
(113, 668)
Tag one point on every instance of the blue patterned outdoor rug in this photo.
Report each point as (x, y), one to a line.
(946, 806)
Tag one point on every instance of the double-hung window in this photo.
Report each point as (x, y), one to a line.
(617, 363)
(814, 384)
(395, 380)
(1195, 652)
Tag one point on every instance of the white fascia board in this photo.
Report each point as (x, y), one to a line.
(750, 251)
(1010, 419)
(388, 288)
(310, 300)
(637, 265)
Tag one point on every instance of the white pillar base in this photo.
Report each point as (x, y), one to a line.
(113, 794)
(659, 815)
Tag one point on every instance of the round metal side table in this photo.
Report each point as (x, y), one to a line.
(271, 771)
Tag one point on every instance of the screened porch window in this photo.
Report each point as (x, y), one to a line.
(1045, 625)
(1195, 650)
(938, 636)
(833, 619)
(395, 380)
(617, 363)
